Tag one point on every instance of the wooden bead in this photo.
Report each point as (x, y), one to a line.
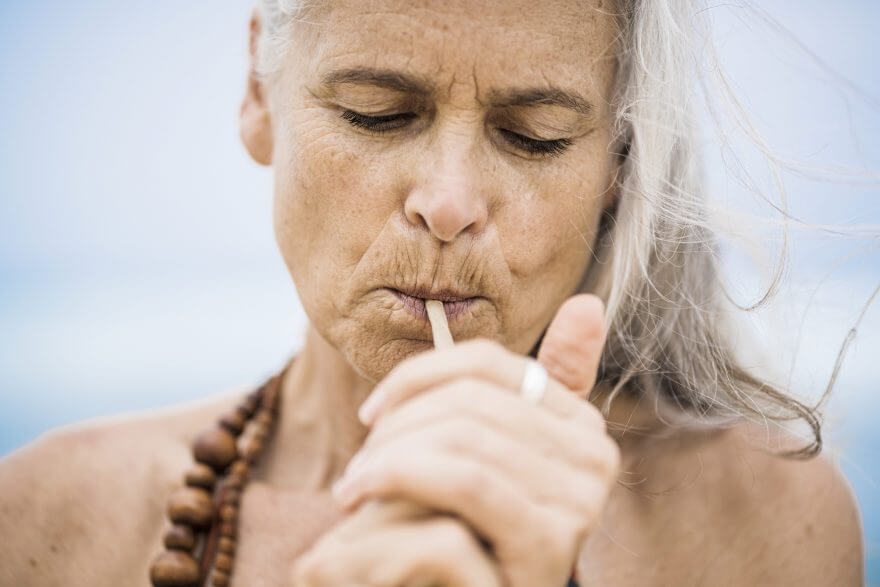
(191, 506)
(233, 422)
(220, 579)
(231, 497)
(229, 513)
(200, 475)
(215, 447)
(174, 568)
(265, 417)
(261, 432)
(240, 468)
(223, 563)
(180, 537)
(226, 545)
(253, 451)
(228, 530)
(234, 482)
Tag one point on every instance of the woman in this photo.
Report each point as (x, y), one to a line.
(529, 164)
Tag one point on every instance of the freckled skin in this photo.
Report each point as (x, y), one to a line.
(446, 201)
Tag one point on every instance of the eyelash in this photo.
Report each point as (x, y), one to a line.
(379, 124)
(550, 148)
(387, 123)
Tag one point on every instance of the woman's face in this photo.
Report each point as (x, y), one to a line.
(441, 148)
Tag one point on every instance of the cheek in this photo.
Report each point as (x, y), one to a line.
(550, 224)
(329, 201)
(548, 229)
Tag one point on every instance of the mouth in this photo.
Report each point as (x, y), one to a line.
(453, 303)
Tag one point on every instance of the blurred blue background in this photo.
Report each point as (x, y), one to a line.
(138, 267)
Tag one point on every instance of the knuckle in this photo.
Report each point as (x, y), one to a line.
(473, 484)
(553, 541)
(466, 436)
(450, 536)
(565, 345)
(456, 436)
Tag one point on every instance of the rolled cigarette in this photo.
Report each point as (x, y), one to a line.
(439, 325)
(394, 507)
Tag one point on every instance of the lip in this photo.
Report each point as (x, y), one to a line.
(454, 305)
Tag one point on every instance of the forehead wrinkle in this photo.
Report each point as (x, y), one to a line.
(420, 85)
(381, 77)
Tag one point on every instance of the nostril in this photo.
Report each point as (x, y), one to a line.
(421, 222)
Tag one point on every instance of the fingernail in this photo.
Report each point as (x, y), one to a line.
(369, 409)
(345, 489)
(355, 464)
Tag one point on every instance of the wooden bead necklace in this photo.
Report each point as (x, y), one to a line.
(200, 545)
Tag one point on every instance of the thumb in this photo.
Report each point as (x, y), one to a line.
(572, 345)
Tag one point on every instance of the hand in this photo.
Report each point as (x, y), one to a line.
(396, 544)
(451, 433)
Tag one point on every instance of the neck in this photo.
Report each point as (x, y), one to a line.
(318, 428)
(319, 431)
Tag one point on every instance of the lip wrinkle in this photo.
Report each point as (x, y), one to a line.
(445, 295)
(416, 305)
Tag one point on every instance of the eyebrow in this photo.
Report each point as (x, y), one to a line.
(383, 78)
(544, 96)
(400, 82)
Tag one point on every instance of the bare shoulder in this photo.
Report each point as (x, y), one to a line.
(94, 492)
(797, 519)
(722, 508)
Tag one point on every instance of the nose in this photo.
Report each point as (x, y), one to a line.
(447, 200)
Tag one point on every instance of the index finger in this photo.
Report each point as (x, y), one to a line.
(479, 359)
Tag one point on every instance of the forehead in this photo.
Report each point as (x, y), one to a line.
(481, 45)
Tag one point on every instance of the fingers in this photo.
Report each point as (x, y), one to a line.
(444, 483)
(470, 409)
(495, 506)
(438, 550)
(475, 359)
(572, 346)
(542, 477)
(478, 358)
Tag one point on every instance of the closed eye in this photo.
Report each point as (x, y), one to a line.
(550, 148)
(380, 124)
(390, 122)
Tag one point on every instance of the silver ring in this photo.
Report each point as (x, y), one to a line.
(534, 382)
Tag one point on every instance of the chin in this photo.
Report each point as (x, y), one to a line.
(374, 359)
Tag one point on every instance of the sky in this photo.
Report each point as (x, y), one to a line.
(138, 267)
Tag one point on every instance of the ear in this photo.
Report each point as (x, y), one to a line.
(256, 124)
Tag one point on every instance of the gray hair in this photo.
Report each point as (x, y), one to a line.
(656, 262)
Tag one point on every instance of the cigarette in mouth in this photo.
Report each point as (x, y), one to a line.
(439, 325)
